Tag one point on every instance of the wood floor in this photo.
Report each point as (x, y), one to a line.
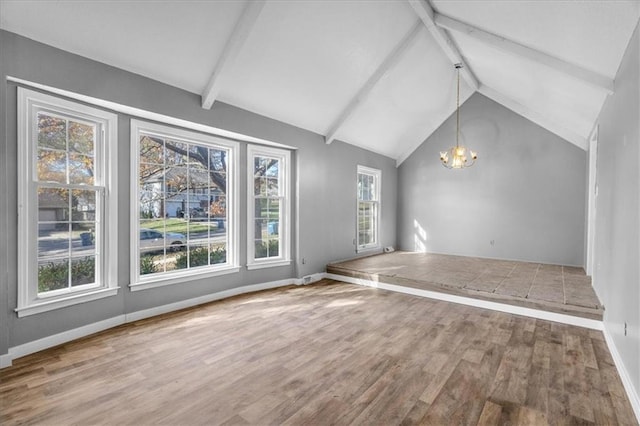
(327, 353)
(553, 288)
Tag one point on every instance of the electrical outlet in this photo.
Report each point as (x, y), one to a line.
(304, 261)
(492, 242)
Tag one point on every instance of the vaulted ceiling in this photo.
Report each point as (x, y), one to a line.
(372, 73)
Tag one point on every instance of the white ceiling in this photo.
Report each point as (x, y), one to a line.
(354, 70)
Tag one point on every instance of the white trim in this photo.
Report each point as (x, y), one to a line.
(284, 224)
(5, 360)
(494, 306)
(149, 115)
(269, 264)
(231, 50)
(389, 62)
(72, 299)
(106, 152)
(64, 337)
(86, 330)
(592, 158)
(138, 282)
(632, 393)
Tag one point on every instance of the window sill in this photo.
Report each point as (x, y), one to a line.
(180, 278)
(50, 305)
(273, 264)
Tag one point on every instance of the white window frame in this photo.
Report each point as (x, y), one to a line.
(377, 175)
(143, 282)
(284, 258)
(29, 302)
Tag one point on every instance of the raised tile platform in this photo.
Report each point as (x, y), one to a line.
(554, 288)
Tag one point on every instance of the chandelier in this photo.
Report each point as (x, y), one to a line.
(457, 157)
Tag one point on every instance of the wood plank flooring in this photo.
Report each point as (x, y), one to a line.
(553, 288)
(327, 353)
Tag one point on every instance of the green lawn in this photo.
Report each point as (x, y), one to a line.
(176, 225)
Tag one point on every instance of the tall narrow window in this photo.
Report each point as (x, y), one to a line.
(67, 203)
(183, 199)
(368, 207)
(269, 206)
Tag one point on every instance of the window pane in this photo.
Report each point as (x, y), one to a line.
(81, 169)
(53, 204)
(273, 168)
(198, 156)
(274, 248)
(218, 160)
(53, 240)
(53, 275)
(198, 232)
(176, 153)
(261, 249)
(83, 271)
(218, 253)
(52, 166)
(198, 255)
(83, 236)
(52, 132)
(81, 138)
(260, 186)
(151, 150)
(272, 187)
(149, 263)
(83, 204)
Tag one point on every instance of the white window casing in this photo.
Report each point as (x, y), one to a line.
(268, 189)
(97, 167)
(184, 201)
(368, 210)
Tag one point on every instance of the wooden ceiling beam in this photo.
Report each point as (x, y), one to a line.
(231, 51)
(426, 13)
(388, 63)
(592, 78)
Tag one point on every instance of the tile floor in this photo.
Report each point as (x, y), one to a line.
(555, 288)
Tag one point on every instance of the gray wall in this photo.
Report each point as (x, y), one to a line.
(526, 192)
(326, 183)
(616, 276)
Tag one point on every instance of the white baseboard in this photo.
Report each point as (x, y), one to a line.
(632, 393)
(495, 306)
(5, 360)
(158, 310)
(76, 333)
(310, 279)
(64, 337)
